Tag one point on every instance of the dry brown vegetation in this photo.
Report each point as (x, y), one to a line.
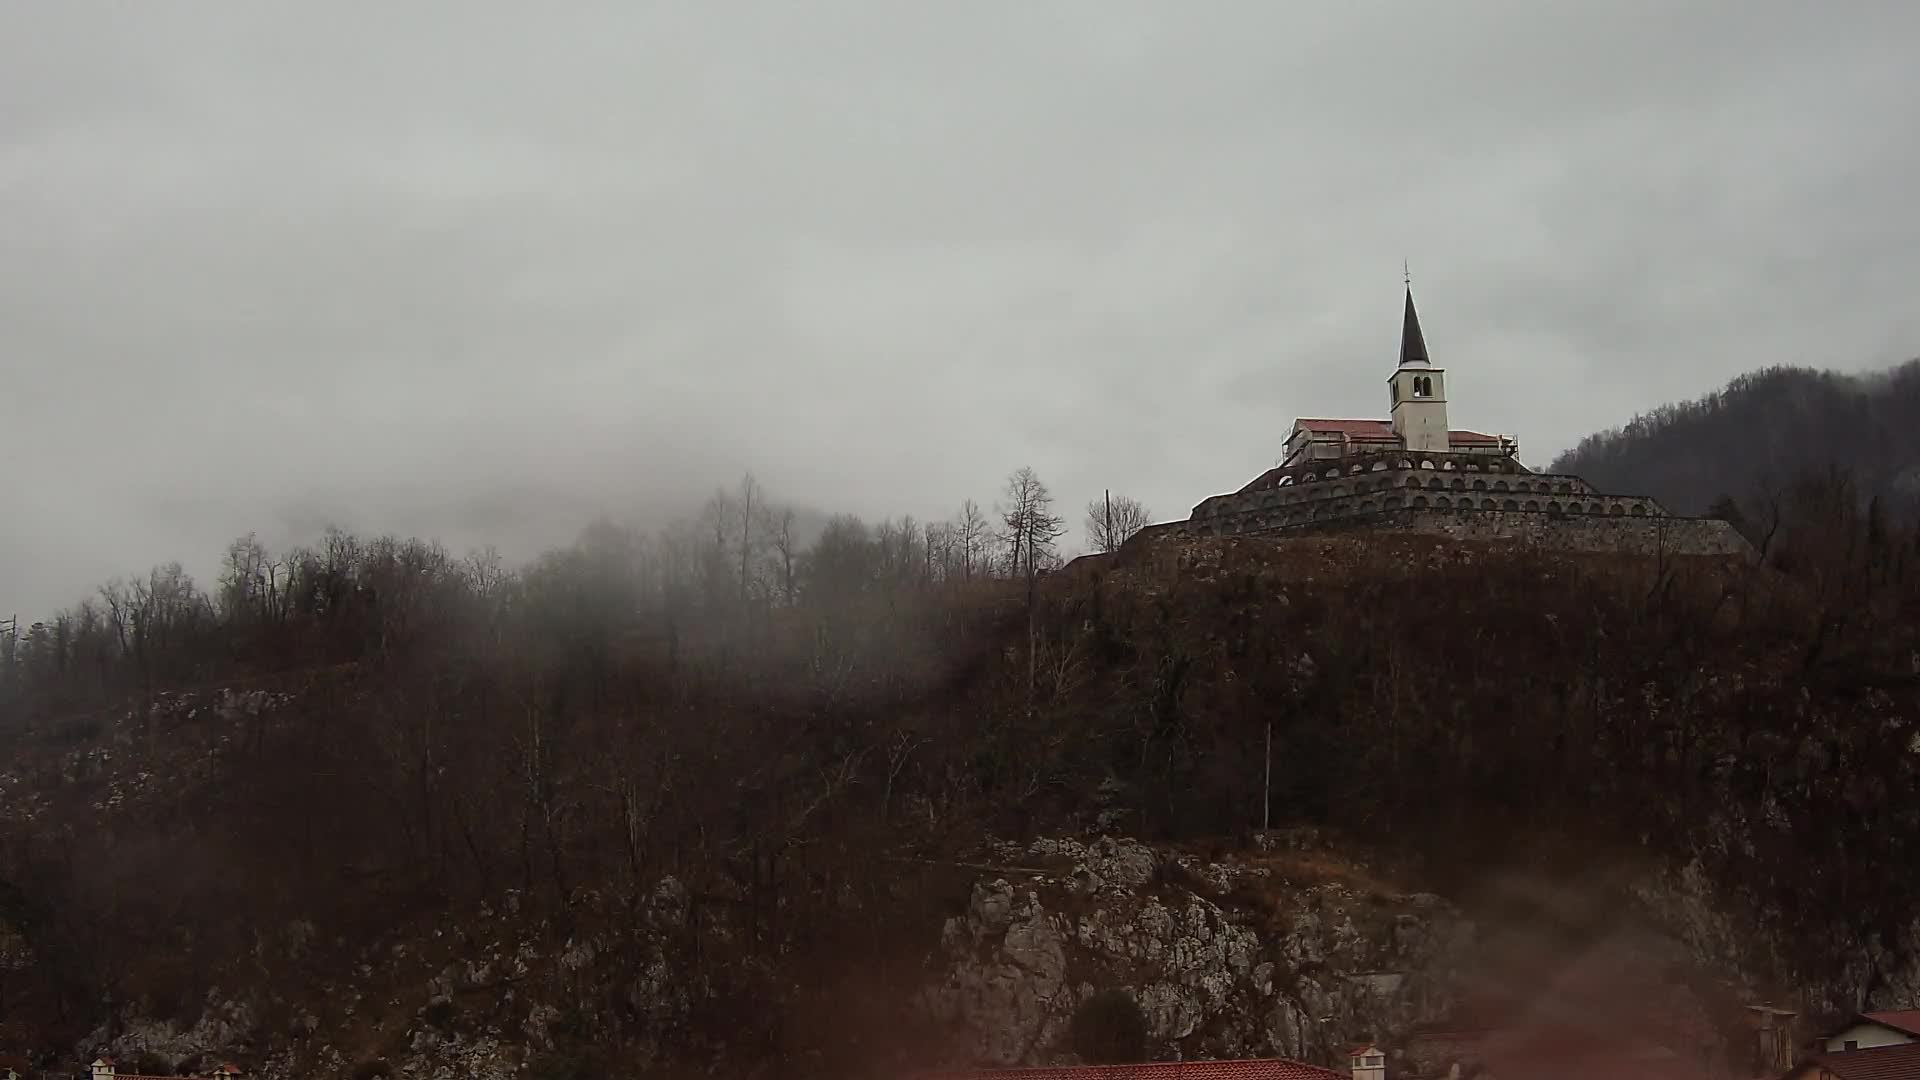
(806, 753)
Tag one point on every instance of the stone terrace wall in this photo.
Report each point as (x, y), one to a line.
(1355, 491)
(1460, 496)
(1567, 532)
(1308, 474)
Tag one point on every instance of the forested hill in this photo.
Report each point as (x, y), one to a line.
(1760, 433)
(709, 800)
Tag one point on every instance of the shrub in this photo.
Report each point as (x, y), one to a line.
(1110, 1029)
(560, 1065)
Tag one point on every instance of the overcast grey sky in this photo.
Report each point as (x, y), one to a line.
(481, 271)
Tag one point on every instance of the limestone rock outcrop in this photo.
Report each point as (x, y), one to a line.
(1222, 958)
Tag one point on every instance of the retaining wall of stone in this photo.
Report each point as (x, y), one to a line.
(1397, 489)
(1596, 532)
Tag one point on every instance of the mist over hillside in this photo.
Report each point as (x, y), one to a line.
(1755, 436)
(711, 794)
(592, 541)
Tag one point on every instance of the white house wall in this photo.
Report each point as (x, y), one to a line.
(1867, 1036)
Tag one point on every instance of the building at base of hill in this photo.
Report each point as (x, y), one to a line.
(1367, 1066)
(1872, 1046)
(1414, 473)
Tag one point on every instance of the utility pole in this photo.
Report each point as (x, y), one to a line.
(1108, 539)
(1266, 785)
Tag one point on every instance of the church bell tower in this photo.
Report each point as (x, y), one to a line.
(1419, 390)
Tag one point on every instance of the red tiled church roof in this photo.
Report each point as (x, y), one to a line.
(1252, 1069)
(1880, 1063)
(1366, 429)
(1382, 431)
(1463, 438)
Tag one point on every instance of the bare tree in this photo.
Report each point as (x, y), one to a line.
(486, 573)
(751, 496)
(898, 544)
(971, 535)
(778, 527)
(118, 596)
(716, 520)
(1031, 526)
(1111, 521)
(249, 582)
(841, 563)
(16, 955)
(938, 537)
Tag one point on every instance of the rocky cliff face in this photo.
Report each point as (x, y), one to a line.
(1289, 949)
(1877, 969)
(1224, 959)
(1234, 957)
(486, 997)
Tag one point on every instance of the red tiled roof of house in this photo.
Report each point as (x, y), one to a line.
(1907, 1020)
(226, 1069)
(1880, 1063)
(1249, 1069)
(1382, 431)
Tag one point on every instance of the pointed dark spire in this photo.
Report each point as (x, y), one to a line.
(1413, 347)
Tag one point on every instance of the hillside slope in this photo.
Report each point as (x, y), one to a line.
(769, 847)
(1760, 433)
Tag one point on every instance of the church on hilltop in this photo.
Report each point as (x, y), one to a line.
(1419, 415)
(1416, 473)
